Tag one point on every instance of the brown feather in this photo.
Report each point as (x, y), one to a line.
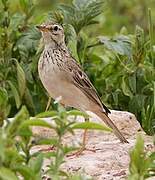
(109, 122)
(81, 80)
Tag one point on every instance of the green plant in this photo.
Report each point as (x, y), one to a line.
(133, 85)
(62, 127)
(4, 107)
(142, 163)
(12, 76)
(19, 44)
(125, 74)
(16, 158)
(124, 71)
(120, 66)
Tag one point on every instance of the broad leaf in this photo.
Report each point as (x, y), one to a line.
(21, 79)
(47, 114)
(36, 163)
(15, 94)
(29, 100)
(77, 113)
(24, 171)
(36, 122)
(139, 162)
(71, 39)
(82, 13)
(47, 141)
(90, 125)
(125, 87)
(120, 44)
(28, 42)
(17, 121)
(7, 174)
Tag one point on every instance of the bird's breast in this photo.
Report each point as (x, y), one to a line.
(51, 72)
(58, 83)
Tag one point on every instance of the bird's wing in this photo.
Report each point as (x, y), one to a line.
(81, 80)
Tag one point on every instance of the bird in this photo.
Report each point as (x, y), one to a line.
(63, 77)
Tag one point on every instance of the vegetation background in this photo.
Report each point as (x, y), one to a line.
(113, 41)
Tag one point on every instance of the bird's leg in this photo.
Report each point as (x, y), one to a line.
(83, 148)
(85, 135)
(50, 148)
(48, 104)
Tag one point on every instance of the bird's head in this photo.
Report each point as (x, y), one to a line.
(52, 33)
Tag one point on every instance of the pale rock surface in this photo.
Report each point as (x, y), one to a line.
(111, 159)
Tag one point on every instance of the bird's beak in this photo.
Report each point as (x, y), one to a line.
(41, 28)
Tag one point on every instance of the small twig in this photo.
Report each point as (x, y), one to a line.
(93, 45)
(48, 103)
(151, 35)
(129, 70)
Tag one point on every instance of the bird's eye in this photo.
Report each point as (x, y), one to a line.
(55, 28)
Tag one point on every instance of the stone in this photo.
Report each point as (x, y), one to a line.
(111, 158)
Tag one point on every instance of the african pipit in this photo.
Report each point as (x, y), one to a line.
(63, 77)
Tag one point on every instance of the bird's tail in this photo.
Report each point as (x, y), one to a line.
(109, 122)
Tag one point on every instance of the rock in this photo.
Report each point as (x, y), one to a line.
(126, 122)
(111, 158)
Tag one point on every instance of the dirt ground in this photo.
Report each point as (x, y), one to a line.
(110, 159)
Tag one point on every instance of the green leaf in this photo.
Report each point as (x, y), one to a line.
(2, 146)
(125, 87)
(29, 101)
(132, 83)
(140, 40)
(36, 163)
(4, 107)
(148, 119)
(90, 125)
(16, 21)
(81, 13)
(15, 94)
(63, 173)
(28, 42)
(71, 39)
(81, 3)
(47, 114)
(139, 163)
(36, 122)
(120, 44)
(23, 3)
(77, 113)
(7, 174)
(49, 154)
(25, 132)
(25, 171)
(47, 141)
(21, 79)
(3, 97)
(22, 115)
(56, 16)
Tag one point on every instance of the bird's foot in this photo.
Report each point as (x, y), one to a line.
(80, 151)
(50, 148)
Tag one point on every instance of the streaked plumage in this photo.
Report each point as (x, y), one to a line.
(62, 76)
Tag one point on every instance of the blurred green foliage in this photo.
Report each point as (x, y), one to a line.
(142, 164)
(112, 40)
(18, 159)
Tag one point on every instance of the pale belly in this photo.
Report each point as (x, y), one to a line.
(59, 87)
